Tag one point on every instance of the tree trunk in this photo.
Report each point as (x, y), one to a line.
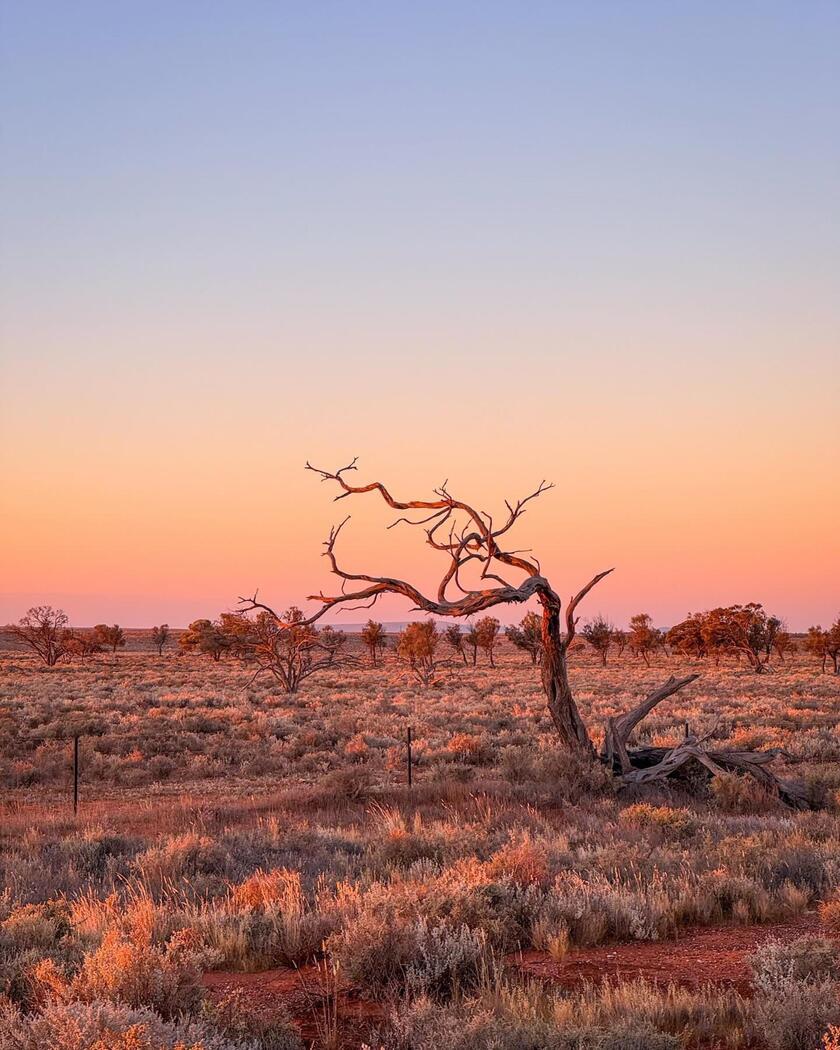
(555, 680)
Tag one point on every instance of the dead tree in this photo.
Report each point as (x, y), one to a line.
(646, 764)
(291, 650)
(45, 631)
(467, 537)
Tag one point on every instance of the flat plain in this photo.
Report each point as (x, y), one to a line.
(251, 869)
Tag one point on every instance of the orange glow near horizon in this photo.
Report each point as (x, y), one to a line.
(149, 530)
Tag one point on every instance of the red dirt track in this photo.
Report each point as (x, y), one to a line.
(700, 956)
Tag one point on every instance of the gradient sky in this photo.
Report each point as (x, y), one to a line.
(489, 242)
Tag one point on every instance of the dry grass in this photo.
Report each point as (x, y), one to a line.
(224, 825)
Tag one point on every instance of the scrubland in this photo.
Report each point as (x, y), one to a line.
(227, 827)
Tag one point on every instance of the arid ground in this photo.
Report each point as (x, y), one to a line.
(249, 869)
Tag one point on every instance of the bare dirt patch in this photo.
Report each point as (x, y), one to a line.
(699, 956)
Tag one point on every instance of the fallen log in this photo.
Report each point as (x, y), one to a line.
(647, 765)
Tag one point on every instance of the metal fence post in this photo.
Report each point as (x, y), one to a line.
(75, 774)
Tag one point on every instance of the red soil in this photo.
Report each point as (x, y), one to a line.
(310, 995)
(699, 956)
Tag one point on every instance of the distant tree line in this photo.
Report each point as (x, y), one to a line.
(290, 651)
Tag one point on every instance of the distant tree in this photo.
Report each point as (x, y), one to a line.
(619, 638)
(44, 630)
(687, 637)
(816, 643)
(331, 639)
(643, 637)
(374, 637)
(527, 636)
(292, 650)
(471, 639)
(111, 637)
(599, 633)
(742, 630)
(416, 647)
(783, 644)
(80, 644)
(204, 636)
(487, 634)
(455, 639)
(160, 636)
(236, 635)
(834, 644)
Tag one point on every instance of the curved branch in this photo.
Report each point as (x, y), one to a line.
(571, 620)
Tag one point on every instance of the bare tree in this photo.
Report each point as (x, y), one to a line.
(455, 639)
(599, 633)
(291, 649)
(527, 636)
(160, 636)
(467, 537)
(44, 630)
(487, 634)
(373, 635)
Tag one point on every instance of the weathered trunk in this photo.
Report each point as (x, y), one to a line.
(555, 680)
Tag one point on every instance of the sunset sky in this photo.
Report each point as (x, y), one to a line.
(597, 243)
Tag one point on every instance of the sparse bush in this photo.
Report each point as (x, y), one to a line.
(830, 914)
(108, 1026)
(777, 964)
(446, 962)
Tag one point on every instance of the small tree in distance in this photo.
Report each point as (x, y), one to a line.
(160, 636)
(688, 637)
(471, 639)
(599, 633)
(111, 637)
(487, 634)
(374, 637)
(816, 643)
(204, 636)
(744, 630)
(81, 644)
(527, 636)
(454, 637)
(783, 644)
(292, 650)
(44, 630)
(643, 638)
(416, 647)
(834, 644)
